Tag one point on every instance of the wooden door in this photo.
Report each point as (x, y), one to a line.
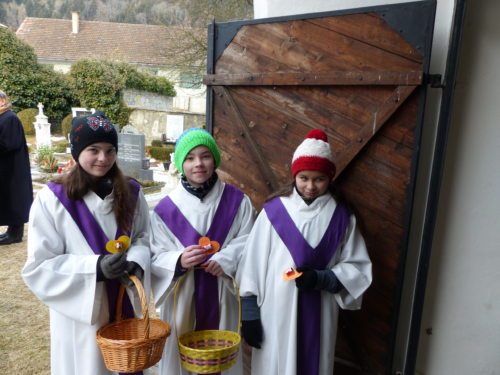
(359, 75)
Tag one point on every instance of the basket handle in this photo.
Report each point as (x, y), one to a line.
(142, 298)
(176, 290)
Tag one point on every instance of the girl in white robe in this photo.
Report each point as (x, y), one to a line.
(67, 266)
(303, 260)
(201, 205)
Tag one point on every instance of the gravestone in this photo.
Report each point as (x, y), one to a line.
(131, 158)
(42, 129)
(80, 111)
(129, 129)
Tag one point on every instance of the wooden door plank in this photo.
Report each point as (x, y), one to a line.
(230, 105)
(310, 107)
(347, 148)
(349, 51)
(332, 78)
(285, 47)
(344, 156)
(282, 109)
(370, 28)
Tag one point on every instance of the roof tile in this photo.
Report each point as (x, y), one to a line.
(52, 39)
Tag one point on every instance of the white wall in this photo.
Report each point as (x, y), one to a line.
(462, 304)
(275, 8)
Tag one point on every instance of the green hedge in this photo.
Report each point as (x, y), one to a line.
(156, 143)
(27, 117)
(91, 83)
(99, 84)
(28, 83)
(162, 152)
(60, 147)
(66, 125)
(159, 153)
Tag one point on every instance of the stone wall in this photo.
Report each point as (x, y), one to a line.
(150, 111)
(154, 123)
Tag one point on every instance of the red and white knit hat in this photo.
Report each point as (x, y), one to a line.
(314, 154)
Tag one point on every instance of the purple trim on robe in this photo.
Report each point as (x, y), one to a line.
(206, 285)
(309, 303)
(96, 239)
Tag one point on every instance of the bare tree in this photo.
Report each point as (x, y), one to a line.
(188, 52)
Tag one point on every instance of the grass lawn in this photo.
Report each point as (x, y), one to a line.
(24, 320)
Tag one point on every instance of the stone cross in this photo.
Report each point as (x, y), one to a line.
(42, 128)
(40, 109)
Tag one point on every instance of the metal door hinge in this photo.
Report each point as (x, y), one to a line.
(434, 80)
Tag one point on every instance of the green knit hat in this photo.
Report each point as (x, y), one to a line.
(190, 139)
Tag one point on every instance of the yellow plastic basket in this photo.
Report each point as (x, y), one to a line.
(132, 345)
(208, 351)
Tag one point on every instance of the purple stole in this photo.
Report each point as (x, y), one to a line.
(206, 293)
(309, 302)
(96, 239)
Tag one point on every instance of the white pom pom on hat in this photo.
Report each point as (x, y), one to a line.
(314, 154)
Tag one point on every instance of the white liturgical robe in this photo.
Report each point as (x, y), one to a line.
(263, 263)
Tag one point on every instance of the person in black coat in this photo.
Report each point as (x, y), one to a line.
(16, 189)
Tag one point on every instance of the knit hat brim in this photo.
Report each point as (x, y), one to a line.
(314, 154)
(313, 163)
(190, 139)
(90, 129)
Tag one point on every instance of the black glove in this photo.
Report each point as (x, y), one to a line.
(308, 279)
(328, 281)
(132, 269)
(251, 326)
(112, 266)
(252, 332)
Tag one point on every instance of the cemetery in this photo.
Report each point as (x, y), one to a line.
(413, 133)
(148, 164)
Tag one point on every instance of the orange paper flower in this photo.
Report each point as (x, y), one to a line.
(211, 246)
(118, 246)
(291, 274)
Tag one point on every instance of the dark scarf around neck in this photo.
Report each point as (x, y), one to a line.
(202, 191)
(102, 187)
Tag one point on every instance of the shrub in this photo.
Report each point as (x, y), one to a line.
(170, 149)
(156, 143)
(27, 117)
(66, 125)
(159, 153)
(27, 82)
(135, 79)
(60, 147)
(99, 84)
(46, 159)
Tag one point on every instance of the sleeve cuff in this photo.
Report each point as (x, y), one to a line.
(249, 308)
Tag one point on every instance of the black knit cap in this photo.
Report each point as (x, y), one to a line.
(94, 128)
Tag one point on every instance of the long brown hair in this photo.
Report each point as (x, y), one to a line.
(77, 184)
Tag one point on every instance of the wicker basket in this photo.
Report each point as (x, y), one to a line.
(132, 345)
(208, 351)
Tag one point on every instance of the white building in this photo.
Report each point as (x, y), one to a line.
(61, 43)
